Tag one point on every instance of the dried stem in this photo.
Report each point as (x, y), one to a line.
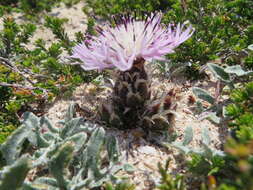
(8, 64)
(24, 87)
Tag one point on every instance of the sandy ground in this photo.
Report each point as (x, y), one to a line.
(144, 155)
(76, 22)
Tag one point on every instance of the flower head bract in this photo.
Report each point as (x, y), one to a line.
(130, 40)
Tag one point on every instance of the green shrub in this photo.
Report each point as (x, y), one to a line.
(31, 8)
(20, 67)
(241, 112)
(235, 169)
(8, 2)
(223, 28)
(107, 8)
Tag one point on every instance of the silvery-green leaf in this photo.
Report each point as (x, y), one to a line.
(49, 136)
(30, 186)
(59, 161)
(213, 117)
(47, 181)
(14, 175)
(79, 140)
(219, 72)
(92, 153)
(250, 47)
(210, 115)
(70, 127)
(208, 153)
(31, 121)
(11, 148)
(45, 121)
(70, 114)
(35, 135)
(205, 136)
(181, 147)
(236, 69)
(112, 149)
(80, 185)
(224, 111)
(128, 168)
(41, 155)
(188, 136)
(218, 153)
(199, 107)
(203, 94)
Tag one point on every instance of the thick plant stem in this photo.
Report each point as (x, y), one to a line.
(131, 104)
(131, 92)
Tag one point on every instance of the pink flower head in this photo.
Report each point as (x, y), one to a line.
(131, 39)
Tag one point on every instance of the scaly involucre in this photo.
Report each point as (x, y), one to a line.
(130, 40)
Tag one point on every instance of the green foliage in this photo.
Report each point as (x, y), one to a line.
(205, 150)
(241, 112)
(223, 28)
(235, 169)
(40, 66)
(31, 8)
(8, 2)
(227, 78)
(240, 164)
(79, 155)
(107, 8)
(201, 166)
(169, 182)
(56, 25)
(35, 6)
(58, 151)
(203, 94)
(121, 186)
(224, 38)
(12, 40)
(13, 176)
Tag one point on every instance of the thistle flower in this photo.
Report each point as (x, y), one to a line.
(131, 40)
